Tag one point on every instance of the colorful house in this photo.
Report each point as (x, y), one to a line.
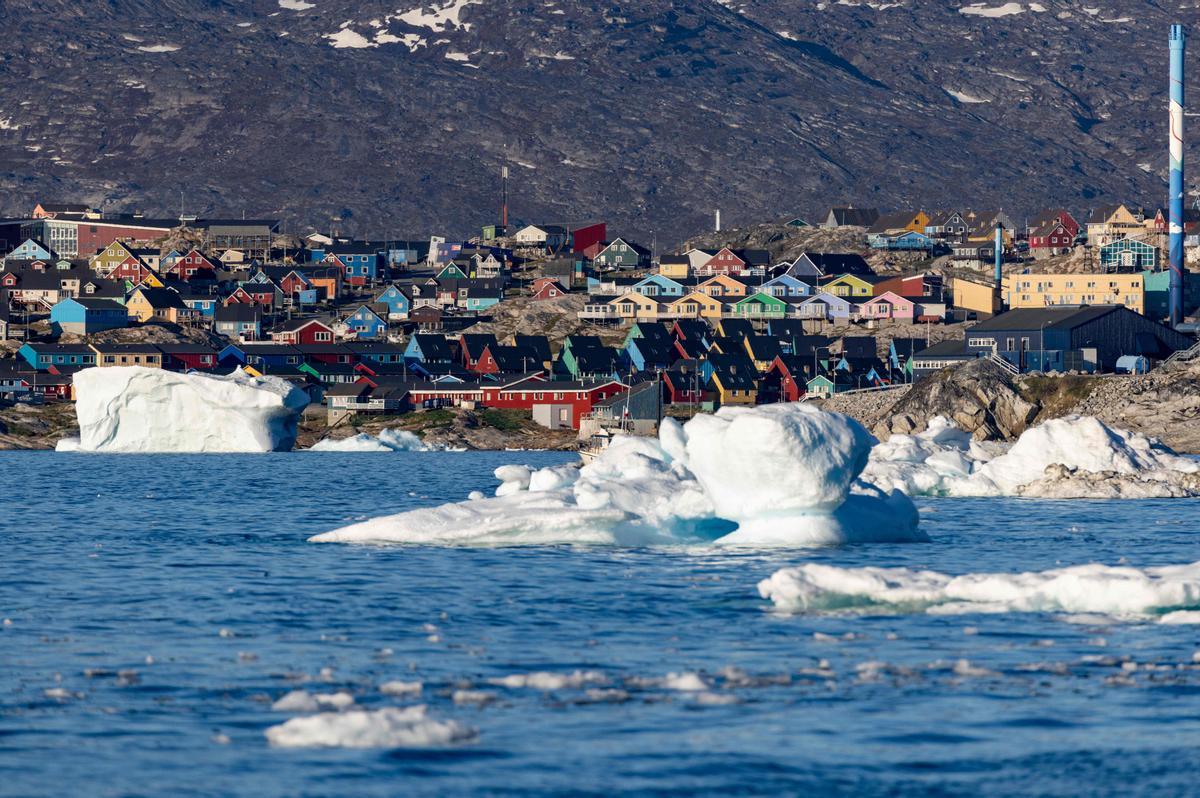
(397, 301)
(622, 254)
(785, 285)
(851, 286)
(367, 324)
(546, 288)
(723, 287)
(43, 357)
(159, 304)
(697, 305)
(31, 249)
(760, 306)
(303, 331)
(887, 306)
(144, 355)
(826, 307)
(84, 315)
(1129, 254)
(726, 261)
(635, 306)
(656, 285)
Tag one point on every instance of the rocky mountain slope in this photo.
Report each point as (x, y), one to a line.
(397, 116)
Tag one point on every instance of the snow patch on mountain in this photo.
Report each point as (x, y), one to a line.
(439, 19)
(295, 5)
(981, 10)
(963, 97)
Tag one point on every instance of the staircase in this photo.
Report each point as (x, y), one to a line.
(1004, 364)
(1184, 354)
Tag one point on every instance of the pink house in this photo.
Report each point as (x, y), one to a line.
(888, 305)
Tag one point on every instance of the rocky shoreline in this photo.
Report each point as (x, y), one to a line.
(980, 398)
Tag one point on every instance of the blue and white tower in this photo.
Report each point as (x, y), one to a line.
(1175, 228)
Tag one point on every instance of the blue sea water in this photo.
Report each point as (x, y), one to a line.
(167, 601)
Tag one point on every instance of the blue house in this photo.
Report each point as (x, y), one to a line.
(44, 356)
(423, 348)
(398, 303)
(268, 355)
(367, 324)
(482, 295)
(657, 285)
(31, 249)
(906, 242)
(785, 285)
(87, 315)
(825, 306)
(650, 354)
(360, 259)
(376, 352)
(204, 304)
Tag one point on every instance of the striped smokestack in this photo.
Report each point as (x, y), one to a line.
(1178, 41)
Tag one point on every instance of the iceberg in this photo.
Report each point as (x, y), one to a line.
(1094, 588)
(136, 409)
(1064, 458)
(389, 440)
(389, 727)
(780, 475)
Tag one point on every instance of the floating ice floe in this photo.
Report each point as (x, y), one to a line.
(771, 475)
(1064, 458)
(1146, 593)
(390, 727)
(389, 440)
(304, 701)
(135, 409)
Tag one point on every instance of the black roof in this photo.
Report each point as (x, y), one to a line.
(539, 344)
(97, 303)
(474, 343)
(736, 372)
(951, 348)
(858, 346)
(1064, 317)
(237, 313)
(434, 347)
(839, 262)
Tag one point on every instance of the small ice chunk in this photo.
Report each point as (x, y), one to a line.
(685, 682)
(391, 727)
(304, 701)
(400, 688)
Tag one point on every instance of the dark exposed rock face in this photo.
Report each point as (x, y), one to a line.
(648, 114)
(979, 397)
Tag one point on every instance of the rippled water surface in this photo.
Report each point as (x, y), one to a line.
(166, 602)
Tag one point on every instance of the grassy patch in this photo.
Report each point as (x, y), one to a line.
(428, 419)
(1057, 395)
(504, 420)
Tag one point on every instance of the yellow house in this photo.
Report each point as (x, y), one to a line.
(1042, 290)
(722, 285)
(849, 285)
(635, 307)
(109, 258)
(677, 267)
(1112, 223)
(158, 304)
(977, 294)
(697, 306)
(734, 379)
(109, 355)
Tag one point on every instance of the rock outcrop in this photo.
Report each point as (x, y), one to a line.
(979, 397)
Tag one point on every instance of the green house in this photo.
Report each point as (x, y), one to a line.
(760, 306)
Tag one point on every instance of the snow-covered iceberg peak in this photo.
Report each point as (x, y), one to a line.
(1091, 588)
(1070, 457)
(135, 409)
(774, 475)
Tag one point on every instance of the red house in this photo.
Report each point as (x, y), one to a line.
(302, 331)
(785, 380)
(193, 264)
(546, 288)
(262, 295)
(589, 237)
(133, 270)
(724, 262)
(572, 400)
(683, 387)
(188, 357)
